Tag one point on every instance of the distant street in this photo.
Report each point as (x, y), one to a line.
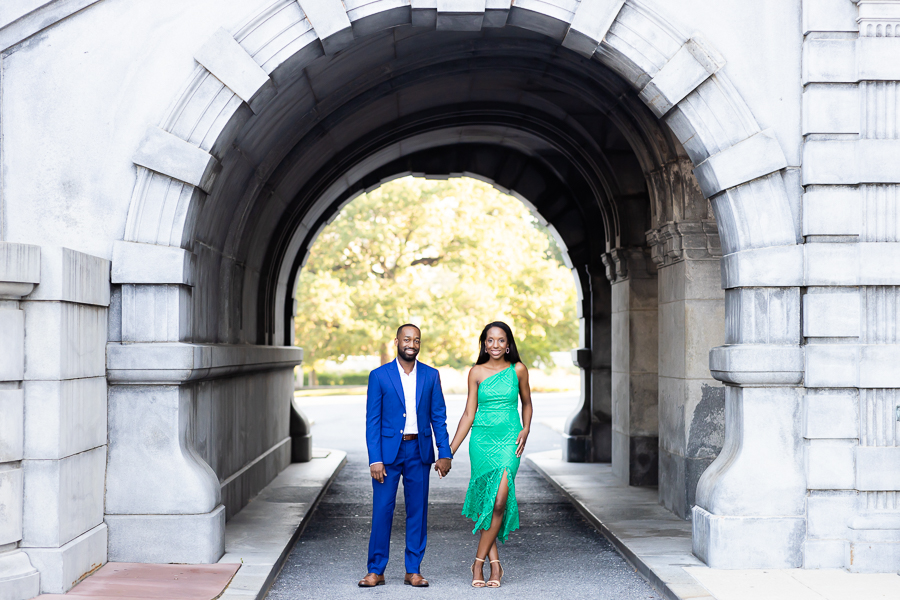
(555, 554)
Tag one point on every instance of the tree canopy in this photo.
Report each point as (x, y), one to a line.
(449, 255)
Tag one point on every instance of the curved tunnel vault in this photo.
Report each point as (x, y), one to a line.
(599, 138)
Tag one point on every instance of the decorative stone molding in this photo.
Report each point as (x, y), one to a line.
(878, 18)
(757, 364)
(691, 240)
(20, 269)
(628, 263)
(173, 363)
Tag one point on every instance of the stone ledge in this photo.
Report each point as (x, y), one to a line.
(20, 268)
(652, 539)
(757, 364)
(173, 363)
(262, 535)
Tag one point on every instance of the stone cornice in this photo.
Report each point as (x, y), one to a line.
(176, 363)
(692, 240)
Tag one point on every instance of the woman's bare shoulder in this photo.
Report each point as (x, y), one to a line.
(521, 369)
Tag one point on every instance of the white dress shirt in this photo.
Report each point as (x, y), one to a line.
(409, 397)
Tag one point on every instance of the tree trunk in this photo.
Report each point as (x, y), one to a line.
(313, 380)
(384, 354)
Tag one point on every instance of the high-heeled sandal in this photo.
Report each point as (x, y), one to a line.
(477, 583)
(495, 582)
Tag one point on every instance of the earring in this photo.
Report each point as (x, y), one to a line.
(507, 349)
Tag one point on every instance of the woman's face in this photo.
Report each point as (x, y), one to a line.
(495, 343)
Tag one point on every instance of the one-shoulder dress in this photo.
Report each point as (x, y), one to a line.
(492, 450)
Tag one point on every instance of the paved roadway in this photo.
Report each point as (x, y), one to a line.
(555, 554)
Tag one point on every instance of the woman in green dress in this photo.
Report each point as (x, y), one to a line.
(496, 382)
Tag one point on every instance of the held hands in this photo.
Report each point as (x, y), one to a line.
(442, 466)
(520, 442)
(377, 471)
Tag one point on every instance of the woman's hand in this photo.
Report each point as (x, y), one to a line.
(520, 442)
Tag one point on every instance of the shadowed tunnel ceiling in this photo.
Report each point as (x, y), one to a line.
(506, 105)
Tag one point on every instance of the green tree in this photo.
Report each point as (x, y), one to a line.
(449, 255)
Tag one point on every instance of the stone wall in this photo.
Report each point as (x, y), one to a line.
(57, 412)
(635, 349)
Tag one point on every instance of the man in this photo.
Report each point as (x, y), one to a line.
(404, 405)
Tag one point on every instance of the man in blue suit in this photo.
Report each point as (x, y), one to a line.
(405, 405)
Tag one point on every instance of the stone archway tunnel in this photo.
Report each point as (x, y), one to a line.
(166, 168)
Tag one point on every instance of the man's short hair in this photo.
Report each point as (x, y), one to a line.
(400, 329)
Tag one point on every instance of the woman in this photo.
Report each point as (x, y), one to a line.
(498, 439)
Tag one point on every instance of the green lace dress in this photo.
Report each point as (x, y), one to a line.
(492, 450)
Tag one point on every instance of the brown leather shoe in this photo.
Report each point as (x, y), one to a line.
(415, 580)
(371, 580)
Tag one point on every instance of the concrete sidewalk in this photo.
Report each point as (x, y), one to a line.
(262, 534)
(658, 545)
(257, 542)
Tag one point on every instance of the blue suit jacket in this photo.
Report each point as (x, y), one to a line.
(385, 409)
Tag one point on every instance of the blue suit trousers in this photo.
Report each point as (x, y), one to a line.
(415, 475)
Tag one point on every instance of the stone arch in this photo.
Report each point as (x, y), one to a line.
(738, 166)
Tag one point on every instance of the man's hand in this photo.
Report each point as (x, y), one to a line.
(378, 472)
(442, 466)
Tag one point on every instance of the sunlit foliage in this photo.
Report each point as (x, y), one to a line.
(450, 256)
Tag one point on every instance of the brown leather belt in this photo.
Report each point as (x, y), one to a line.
(410, 436)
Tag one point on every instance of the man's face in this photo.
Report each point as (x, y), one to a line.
(408, 343)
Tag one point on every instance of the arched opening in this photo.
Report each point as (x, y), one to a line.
(598, 138)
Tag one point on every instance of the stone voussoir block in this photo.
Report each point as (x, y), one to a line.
(229, 62)
(592, 20)
(168, 154)
(331, 23)
(755, 157)
(691, 65)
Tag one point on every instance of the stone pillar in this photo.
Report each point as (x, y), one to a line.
(588, 431)
(635, 441)
(600, 372)
(850, 297)
(65, 418)
(163, 502)
(195, 429)
(691, 322)
(20, 267)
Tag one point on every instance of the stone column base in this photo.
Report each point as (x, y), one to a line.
(875, 543)
(725, 542)
(18, 579)
(192, 539)
(576, 448)
(61, 568)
